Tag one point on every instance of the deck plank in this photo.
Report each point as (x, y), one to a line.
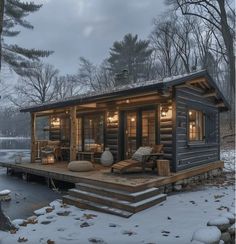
(102, 176)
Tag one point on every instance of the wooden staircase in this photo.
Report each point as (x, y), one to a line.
(113, 201)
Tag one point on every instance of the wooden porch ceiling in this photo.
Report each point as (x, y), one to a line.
(207, 90)
(124, 102)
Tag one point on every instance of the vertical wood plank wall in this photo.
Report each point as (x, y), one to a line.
(187, 155)
(166, 136)
(111, 136)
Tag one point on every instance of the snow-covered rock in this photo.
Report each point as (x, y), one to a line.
(40, 211)
(221, 223)
(207, 235)
(55, 203)
(5, 192)
(18, 222)
(230, 216)
(5, 195)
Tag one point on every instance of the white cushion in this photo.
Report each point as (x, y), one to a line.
(80, 166)
(138, 155)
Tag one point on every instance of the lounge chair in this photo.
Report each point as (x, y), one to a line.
(144, 157)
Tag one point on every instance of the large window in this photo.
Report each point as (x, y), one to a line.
(148, 128)
(91, 136)
(196, 125)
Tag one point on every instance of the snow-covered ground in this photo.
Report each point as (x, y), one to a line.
(228, 156)
(14, 155)
(174, 221)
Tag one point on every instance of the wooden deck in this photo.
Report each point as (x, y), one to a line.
(102, 176)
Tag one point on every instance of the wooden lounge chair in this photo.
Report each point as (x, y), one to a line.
(146, 160)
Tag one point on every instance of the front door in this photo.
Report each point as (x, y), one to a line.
(130, 142)
(140, 130)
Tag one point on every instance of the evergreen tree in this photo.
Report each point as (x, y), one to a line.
(12, 14)
(130, 54)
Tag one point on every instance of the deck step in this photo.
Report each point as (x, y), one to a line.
(122, 195)
(115, 202)
(95, 206)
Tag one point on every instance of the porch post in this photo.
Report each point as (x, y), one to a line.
(33, 138)
(73, 134)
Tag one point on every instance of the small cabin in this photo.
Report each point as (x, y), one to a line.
(180, 112)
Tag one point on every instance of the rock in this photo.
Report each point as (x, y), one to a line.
(207, 235)
(225, 236)
(177, 187)
(18, 222)
(232, 229)
(179, 182)
(229, 216)
(80, 166)
(222, 223)
(5, 195)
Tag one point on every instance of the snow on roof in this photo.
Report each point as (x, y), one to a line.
(114, 90)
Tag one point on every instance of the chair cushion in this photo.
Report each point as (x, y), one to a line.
(158, 148)
(80, 166)
(138, 155)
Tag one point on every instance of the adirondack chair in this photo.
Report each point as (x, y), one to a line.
(145, 160)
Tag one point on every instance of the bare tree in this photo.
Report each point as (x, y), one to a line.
(94, 78)
(165, 51)
(37, 85)
(219, 14)
(67, 86)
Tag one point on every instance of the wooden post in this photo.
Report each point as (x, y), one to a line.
(33, 138)
(73, 134)
(163, 167)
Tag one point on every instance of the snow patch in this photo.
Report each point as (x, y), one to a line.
(207, 235)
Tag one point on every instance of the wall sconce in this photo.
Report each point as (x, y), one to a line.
(164, 110)
(55, 122)
(112, 118)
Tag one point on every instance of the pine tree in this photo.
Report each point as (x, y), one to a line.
(130, 54)
(13, 13)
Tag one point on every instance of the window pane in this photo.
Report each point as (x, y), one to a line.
(42, 128)
(148, 128)
(93, 133)
(131, 131)
(196, 125)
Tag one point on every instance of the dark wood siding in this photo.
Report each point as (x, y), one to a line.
(166, 137)
(188, 154)
(111, 135)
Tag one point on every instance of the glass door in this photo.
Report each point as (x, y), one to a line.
(148, 128)
(130, 134)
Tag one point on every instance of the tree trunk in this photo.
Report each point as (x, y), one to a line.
(1, 27)
(5, 223)
(228, 40)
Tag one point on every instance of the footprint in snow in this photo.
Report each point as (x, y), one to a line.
(96, 240)
(45, 222)
(129, 232)
(61, 229)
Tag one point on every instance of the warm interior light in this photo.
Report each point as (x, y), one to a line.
(132, 119)
(56, 122)
(127, 101)
(190, 113)
(164, 110)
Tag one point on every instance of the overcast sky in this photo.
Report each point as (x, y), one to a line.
(74, 28)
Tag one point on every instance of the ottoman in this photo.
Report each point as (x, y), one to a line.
(80, 166)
